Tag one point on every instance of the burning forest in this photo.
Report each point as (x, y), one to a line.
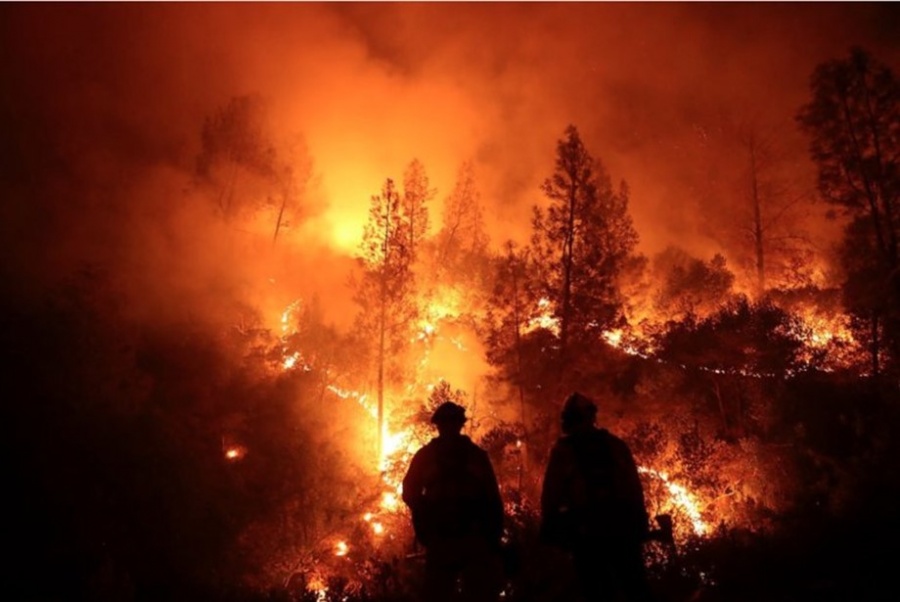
(249, 250)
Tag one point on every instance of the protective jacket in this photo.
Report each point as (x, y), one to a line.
(451, 490)
(592, 492)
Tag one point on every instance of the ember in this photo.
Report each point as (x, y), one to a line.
(341, 548)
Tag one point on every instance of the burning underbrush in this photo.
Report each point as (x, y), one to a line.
(711, 478)
(243, 457)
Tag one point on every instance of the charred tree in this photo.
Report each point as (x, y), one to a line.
(774, 224)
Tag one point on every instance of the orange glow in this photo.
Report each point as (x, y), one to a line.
(680, 498)
(820, 331)
(341, 548)
(544, 319)
(613, 337)
(235, 453)
(390, 501)
(317, 586)
(217, 273)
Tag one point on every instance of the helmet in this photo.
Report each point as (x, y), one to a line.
(449, 412)
(579, 408)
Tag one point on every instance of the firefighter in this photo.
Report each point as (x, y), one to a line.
(452, 493)
(592, 505)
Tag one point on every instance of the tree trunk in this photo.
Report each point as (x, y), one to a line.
(757, 223)
(382, 331)
(567, 260)
(876, 344)
(517, 318)
(284, 199)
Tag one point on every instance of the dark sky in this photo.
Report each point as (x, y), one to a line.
(102, 104)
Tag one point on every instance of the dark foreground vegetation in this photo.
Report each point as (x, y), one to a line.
(118, 489)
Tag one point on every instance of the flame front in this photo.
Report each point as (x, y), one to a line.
(680, 498)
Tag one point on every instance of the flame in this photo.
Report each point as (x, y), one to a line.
(820, 331)
(290, 361)
(234, 453)
(613, 337)
(286, 318)
(390, 501)
(317, 586)
(293, 360)
(681, 498)
(341, 548)
(544, 318)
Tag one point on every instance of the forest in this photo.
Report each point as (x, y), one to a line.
(223, 336)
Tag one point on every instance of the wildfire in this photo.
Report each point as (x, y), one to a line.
(544, 318)
(820, 332)
(317, 586)
(286, 317)
(399, 444)
(234, 453)
(290, 360)
(390, 501)
(681, 498)
(613, 337)
(341, 548)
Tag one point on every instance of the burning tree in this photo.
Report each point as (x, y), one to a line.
(461, 243)
(580, 243)
(855, 142)
(386, 286)
(416, 194)
(690, 287)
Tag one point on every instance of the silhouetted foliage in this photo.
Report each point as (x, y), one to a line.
(742, 337)
(854, 142)
(580, 243)
(461, 243)
(690, 286)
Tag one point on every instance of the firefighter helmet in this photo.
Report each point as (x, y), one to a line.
(449, 412)
(579, 408)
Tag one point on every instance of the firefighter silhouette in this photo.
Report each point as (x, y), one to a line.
(452, 493)
(592, 505)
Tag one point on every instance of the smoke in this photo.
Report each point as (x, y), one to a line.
(104, 105)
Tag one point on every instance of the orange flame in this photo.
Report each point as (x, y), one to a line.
(341, 548)
(681, 498)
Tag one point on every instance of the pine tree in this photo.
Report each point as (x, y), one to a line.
(462, 240)
(417, 193)
(581, 241)
(385, 288)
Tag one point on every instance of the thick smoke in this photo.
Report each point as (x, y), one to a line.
(104, 104)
